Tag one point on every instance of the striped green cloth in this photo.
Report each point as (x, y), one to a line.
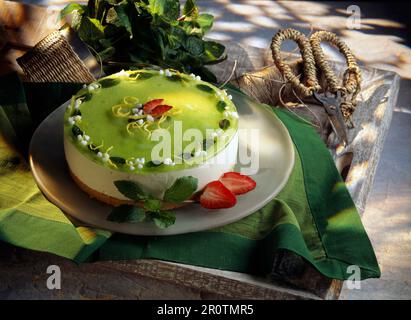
(313, 216)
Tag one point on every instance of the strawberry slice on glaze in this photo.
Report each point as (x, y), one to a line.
(150, 105)
(160, 110)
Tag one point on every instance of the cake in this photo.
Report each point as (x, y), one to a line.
(150, 127)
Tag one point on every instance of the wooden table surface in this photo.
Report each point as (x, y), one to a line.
(23, 272)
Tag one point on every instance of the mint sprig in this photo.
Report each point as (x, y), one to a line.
(182, 189)
(145, 32)
(130, 189)
(127, 213)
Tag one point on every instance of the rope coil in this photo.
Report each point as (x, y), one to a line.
(314, 60)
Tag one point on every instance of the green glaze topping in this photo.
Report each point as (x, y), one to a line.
(118, 120)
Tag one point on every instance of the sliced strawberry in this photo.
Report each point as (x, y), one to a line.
(150, 105)
(216, 196)
(237, 183)
(159, 110)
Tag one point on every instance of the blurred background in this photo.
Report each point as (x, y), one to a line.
(379, 35)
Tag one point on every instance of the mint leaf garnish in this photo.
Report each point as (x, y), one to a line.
(118, 160)
(152, 205)
(163, 219)
(126, 213)
(205, 88)
(182, 189)
(130, 189)
(109, 82)
(76, 131)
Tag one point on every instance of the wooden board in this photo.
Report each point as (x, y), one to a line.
(23, 272)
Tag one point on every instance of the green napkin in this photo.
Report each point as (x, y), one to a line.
(313, 216)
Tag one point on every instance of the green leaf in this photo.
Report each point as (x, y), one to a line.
(190, 9)
(224, 124)
(194, 45)
(68, 9)
(130, 189)
(182, 189)
(90, 30)
(76, 112)
(163, 219)
(108, 82)
(123, 19)
(221, 105)
(152, 205)
(126, 213)
(205, 21)
(213, 52)
(205, 88)
(118, 160)
(76, 131)
(168, 9)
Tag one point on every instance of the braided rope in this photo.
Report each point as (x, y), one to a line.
(352, 76)
(313, 57)
(309, 69)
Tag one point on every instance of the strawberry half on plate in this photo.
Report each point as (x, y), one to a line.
(216, 196)
(237, 183)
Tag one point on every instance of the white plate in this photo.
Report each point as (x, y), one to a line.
(276, 160)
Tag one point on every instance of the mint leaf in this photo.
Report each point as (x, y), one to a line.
(213, 52)
(194, 45)
(130, 189)
(182, 189)
(76, 131)
(68, 9)
(169, 9)
(118, 160)
(152, 205)
(90, 30)
(163, 219)
(123, 19)
(126, 213)
(205, 21)
(221, 106)
(108, 82)
(190, 9)
(205, 88)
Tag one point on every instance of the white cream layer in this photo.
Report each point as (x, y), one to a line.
(101, 178)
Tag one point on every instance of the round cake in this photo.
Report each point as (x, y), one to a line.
(151, 127)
